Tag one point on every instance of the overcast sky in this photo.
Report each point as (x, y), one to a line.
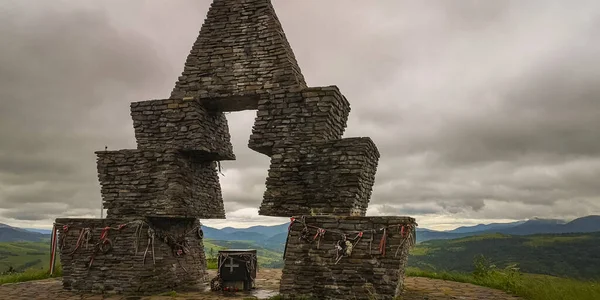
(483, 111)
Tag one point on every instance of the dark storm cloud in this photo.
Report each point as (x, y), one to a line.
(480, 109)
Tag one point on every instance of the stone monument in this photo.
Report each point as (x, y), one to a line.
(151, 239)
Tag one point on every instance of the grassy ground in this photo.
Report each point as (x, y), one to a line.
(528, 286)
(29, 275)
(24, 255)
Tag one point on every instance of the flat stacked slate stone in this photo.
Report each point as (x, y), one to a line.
(299, 118)
(122, 269)
(165, 183)
(241, 60)
(333, 177)
(182, 124)
(241, 55)
(311, 270)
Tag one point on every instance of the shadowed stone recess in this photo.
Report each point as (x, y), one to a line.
(182, 124)
(122, 269)
(310, 269)
(158, 183)
(241, 52)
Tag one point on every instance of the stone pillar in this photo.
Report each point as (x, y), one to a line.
(372, 268)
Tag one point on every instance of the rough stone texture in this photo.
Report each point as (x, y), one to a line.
(182, 124)
(334, 177)
(241, 60)
(158, 183)
(241, 54)
(310, 268)
(299, 118)
(122, 269)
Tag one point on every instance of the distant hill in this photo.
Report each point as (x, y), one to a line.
(267, 231)
(539, 226)
(42, 231)
(268, 237)
(485, 227)
(533, 226)
(575, 255)
(14, 234)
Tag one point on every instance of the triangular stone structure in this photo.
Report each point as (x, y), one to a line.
(151, 239)
(241, 55)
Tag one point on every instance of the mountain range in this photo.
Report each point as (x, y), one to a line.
(529, 227)
(273, 237)
(15, 234)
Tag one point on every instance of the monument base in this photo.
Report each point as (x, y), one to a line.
(145, 256)
(335, 257)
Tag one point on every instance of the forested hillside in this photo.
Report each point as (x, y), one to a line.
(565, 255)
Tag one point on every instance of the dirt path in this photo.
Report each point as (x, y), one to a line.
(268, 284)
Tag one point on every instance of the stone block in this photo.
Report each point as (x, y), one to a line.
(333, 177)
(182, 124)
(241, 51)
(299, 118)
(368, 272)
(166, 183)
(128, 263)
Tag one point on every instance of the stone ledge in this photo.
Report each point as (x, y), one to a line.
(311, 270)
(299, 118)
(122, 269)
(332, 178)
(158, 183)
(182, 124)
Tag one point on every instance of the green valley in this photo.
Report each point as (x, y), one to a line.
(20, 256)
(563, 255)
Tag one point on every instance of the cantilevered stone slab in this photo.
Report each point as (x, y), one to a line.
(166, 183)
(153, 268)
(182, 124)
(299, 118)
(333, 177)
(241, 55)
(369, 272)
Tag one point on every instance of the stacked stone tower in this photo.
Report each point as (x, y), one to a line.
(155, 195)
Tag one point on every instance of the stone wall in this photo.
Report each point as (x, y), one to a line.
(340, 175)
(241, 60)
(241, 51)
(158, 183)
(311, 270)
(333, 177)
(299, 118)
(182, 124)
(122, 269)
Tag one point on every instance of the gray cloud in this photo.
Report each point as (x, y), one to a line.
(481, 109)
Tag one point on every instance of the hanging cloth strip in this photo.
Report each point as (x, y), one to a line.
(151, 234)
(292, 221)
(407, 235)
(53, 244)
(383, 242)
(320, 234)
(64, 239)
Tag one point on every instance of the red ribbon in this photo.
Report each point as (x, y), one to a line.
(104, 233)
